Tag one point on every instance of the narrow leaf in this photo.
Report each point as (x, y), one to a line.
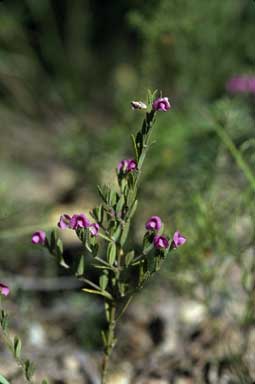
(129, 257)
(102, 293)
(111, 253)
(3, 380)
(103, 282)
(17, 347)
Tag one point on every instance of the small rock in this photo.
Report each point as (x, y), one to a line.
(192, 313)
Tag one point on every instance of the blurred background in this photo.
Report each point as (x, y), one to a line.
(68, 71)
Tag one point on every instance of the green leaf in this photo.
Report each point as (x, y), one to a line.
(104, 338)
(45, 381)
(129, 257)
(132, 210)
(120, 204)
(124, 234)
(139, 143)
(116, 233)
(4, 319)
(111, 253)
(102, 293)
(122, 289)
(150, 97)
(97, 213)
(3, 380)
(17, 347)
(80, 266)
(130, 197)
(134, 147)
(103, 281)
(59, 253)
(147, 243)
(102, 193)
(29, 369)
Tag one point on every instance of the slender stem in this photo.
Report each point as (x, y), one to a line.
(7, 340)
(93, 285)
(110, 340)
(123, 309)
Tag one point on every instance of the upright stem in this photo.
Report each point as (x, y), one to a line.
(110, 339)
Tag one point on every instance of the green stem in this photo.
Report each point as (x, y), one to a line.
(122, 311)
(236, 154)
(110, 340)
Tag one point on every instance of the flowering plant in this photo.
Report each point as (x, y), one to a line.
(14, 344)
(121, 271)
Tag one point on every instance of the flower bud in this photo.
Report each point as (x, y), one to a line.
(160, 242)
(161, 104)
(79, 221)
(178, 240)
(94, 229)
(127, 165)
(38, 237)
(154, 223)
(138, 105)
(64, 221)
(4, 290)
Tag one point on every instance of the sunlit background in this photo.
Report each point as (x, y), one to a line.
(68, 71)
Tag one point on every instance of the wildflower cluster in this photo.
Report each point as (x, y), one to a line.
(120, 271)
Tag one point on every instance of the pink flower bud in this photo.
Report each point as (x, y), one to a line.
(154, 223)
(39, 237)
(161, 104)
(138, 105)
(127, 165)
(64, 221)
(160, 242)
(4, 290)
(79, 221)
(94, 229)
(178, 240)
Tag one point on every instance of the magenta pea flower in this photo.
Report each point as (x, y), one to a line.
(79, 221)
(39, 237)
(241, 84)
(161, 104)
(127, 165)
(178, 240)
(154, 223)
(160, 242)
(138, 105)
(4, 290)
(123, 165)
(94, 229)
(64, 221)
(132, 165)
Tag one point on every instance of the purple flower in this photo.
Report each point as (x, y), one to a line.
(39, 237)
(241, 84)
(138, 105)
(123, 165)
(160, 242)
(127, 165)
(79, 221)
(131, 165)
(154, 223)
(178, 240)
(4, 290)
(94, 228)
(64, 221)
(161, 104)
